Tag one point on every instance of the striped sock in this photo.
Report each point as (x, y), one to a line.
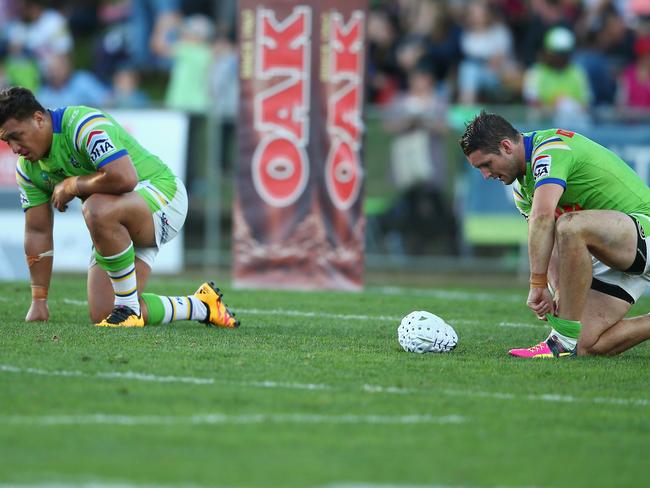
(121, 270)
(163, 310)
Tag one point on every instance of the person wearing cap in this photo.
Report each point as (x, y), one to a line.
(555, 83)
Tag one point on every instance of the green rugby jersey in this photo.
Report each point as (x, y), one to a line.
(85, 139)
(593, 177)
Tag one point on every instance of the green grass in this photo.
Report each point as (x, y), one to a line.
(580, 422)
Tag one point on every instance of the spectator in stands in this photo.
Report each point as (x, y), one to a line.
(422, 215)
(112, 48)
(433, 34)
(544, 15)
(126, 92)
(608, 47)
(488, 70)
(41, 32)
(192, 57)
(443, 49)
(224, 79)
(635, 81)
(383, 71)
(153, 23)
(66, 86)
(557, 85)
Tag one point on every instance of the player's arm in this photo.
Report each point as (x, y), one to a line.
(39, 245)
(115, 178)
(541, 240)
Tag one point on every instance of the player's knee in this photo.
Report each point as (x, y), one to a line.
(568, 225)
(96, 209)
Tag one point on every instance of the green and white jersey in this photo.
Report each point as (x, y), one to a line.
(84, 140)
(593, 177)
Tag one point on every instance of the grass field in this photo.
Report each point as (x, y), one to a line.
(312, 391)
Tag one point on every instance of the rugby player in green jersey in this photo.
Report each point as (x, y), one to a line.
(588, 217)
(132, 204)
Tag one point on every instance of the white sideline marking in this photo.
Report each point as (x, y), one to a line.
(93, 484)
(338, 316)
(129, 375)
(220, 418)
(447, 294)
(635, 402)
(388, 485)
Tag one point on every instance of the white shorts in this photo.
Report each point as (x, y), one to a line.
(167, 222)
(626, 286)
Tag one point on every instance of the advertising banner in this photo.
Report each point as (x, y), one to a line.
(164, 133)
(298, 220)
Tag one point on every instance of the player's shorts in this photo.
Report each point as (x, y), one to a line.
(167, 221)
(627, 285)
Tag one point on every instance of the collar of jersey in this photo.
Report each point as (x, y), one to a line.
(57, 119)
(528, 146)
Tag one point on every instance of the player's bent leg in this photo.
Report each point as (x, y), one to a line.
(101, 298)
(205, 305)
(602, 313)
(114, 220)
(608, 235)
(116, 223)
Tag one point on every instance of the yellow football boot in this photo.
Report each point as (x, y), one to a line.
(122, 316)
(218, 313)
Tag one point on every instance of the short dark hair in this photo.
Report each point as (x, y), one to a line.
(18, 103)
(485, 133)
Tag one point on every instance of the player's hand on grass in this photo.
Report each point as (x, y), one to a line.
(64, 192)
(540, 302)
(38, 311)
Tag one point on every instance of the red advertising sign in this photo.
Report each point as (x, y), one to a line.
(297, 215)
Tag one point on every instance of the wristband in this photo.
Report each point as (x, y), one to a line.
(538, 280)
(39, 292)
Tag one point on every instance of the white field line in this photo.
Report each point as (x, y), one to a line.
(221, 418)
(371, 389)
(131, 375)
(92, 484)
(632, 402)
(337, 316)
(447, 294)
(387, 485)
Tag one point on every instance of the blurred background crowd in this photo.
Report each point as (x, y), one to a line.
(560, 56)
(122, 53)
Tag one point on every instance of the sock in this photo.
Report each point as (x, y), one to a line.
(163, 310)
(121, 270)
(566, 331)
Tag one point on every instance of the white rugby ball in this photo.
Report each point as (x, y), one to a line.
(422, 332)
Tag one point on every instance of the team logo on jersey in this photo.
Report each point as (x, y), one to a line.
(99, 145)
(541, 166)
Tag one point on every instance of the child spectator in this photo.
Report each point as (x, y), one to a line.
(192, 57)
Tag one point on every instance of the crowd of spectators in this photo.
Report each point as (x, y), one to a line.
(562, 56)
(557, 56)
(97, 53)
